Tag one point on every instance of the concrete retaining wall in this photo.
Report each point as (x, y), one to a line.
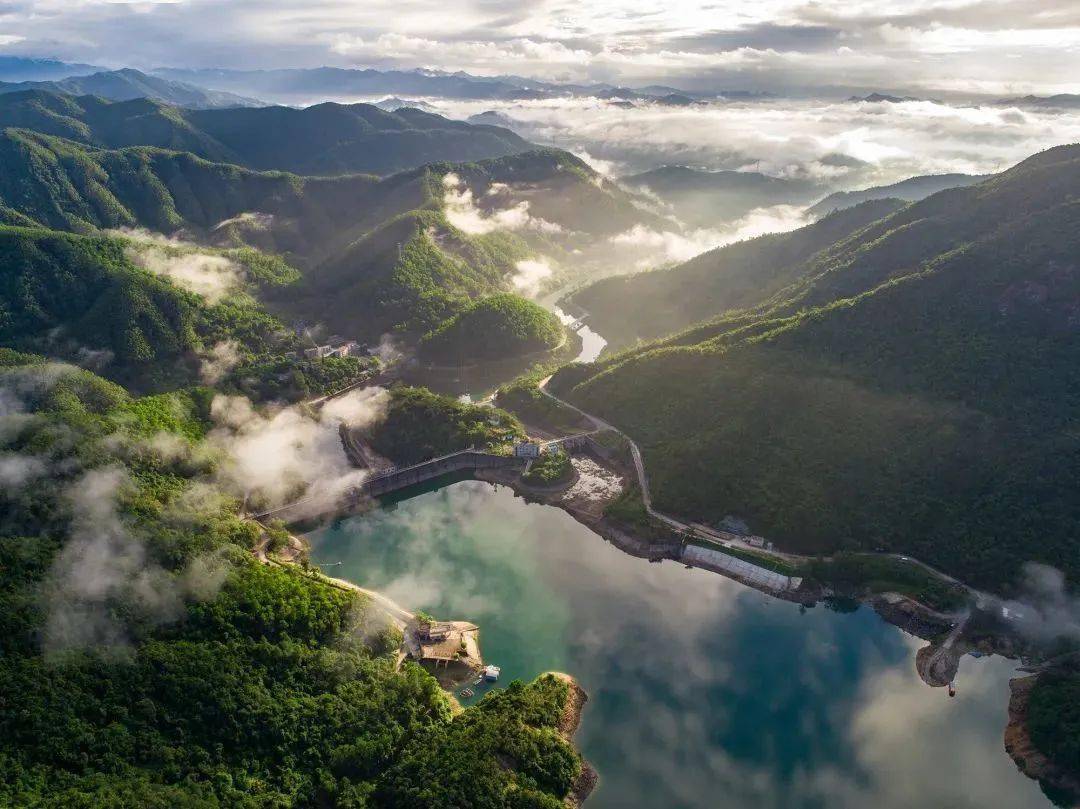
(390, 481)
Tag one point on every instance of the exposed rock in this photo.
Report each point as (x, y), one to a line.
(1018, 744)
(568, 725)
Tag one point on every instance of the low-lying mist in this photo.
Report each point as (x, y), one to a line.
(842, 144)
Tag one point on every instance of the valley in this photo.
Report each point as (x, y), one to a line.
(456, 354)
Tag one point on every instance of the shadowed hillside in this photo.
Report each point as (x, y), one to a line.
(915, 390)
(324, 139)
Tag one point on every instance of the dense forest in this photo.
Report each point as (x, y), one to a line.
(912, 390)
(1054, 718)
(495, 327)
(419, 425)
(149, 660)
(647, 305)
(325, 139)
(96, 300)
(374, 255)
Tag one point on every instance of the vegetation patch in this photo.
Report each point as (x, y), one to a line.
(524, 399)
(237, 683)
(497, 327)
(420, 425)
(550, 469)
(628, 509)
(1054, 719)
(872, 573)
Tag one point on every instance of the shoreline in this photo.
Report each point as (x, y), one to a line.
(1031, 761)
(567, 726)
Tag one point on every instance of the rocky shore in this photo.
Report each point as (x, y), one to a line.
(567, 727)
(1018, 744)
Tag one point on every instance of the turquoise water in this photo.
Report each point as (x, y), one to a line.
(703, 693)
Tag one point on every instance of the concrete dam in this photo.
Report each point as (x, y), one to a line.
(392, 480)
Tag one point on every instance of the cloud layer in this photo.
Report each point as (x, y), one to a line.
(840, 144)
(978, 45)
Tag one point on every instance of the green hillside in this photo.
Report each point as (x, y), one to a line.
(188, 674)
(420, 425)
(647, 305)
(60, 184)
(88, 300)
(64, 293)
(326, 139)
(495, 327)
(915, 390)
(377, 255)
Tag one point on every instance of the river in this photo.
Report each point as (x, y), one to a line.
(703, 693)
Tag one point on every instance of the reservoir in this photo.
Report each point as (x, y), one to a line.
(703, 693)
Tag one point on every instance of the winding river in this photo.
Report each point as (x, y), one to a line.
(704, 693)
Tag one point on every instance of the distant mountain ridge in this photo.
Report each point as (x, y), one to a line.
(128, 84)
(325, 139)
(21, 68)
(335, 82)
(910, 190)
(1061, 101)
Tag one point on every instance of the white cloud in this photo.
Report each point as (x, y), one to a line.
(212, 277)
(275, 457)
(463, 213)
(530, 275)
(835, 142)
(647, 247)
(218, 361)
(770, 44)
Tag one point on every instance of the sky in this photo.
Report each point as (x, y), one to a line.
(998, 47)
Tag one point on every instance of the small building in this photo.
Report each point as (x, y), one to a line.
(758, 542)
(491, 673)
(527, 449)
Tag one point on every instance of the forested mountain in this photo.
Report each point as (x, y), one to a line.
(324, 139)
(910, 190)
(704, 198)
(913, 388)
(148, 659)
(128, 84)
(492, 328)
(93, 299)
(646, 305)
(376, 254)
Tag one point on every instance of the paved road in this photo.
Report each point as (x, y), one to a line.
(635, 452)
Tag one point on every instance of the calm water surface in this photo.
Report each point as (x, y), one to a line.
(703, 693)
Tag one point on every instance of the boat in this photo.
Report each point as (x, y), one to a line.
(467, 692)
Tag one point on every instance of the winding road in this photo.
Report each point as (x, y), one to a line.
(731, 541)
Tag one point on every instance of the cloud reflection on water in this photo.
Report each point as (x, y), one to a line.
(703, 693)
